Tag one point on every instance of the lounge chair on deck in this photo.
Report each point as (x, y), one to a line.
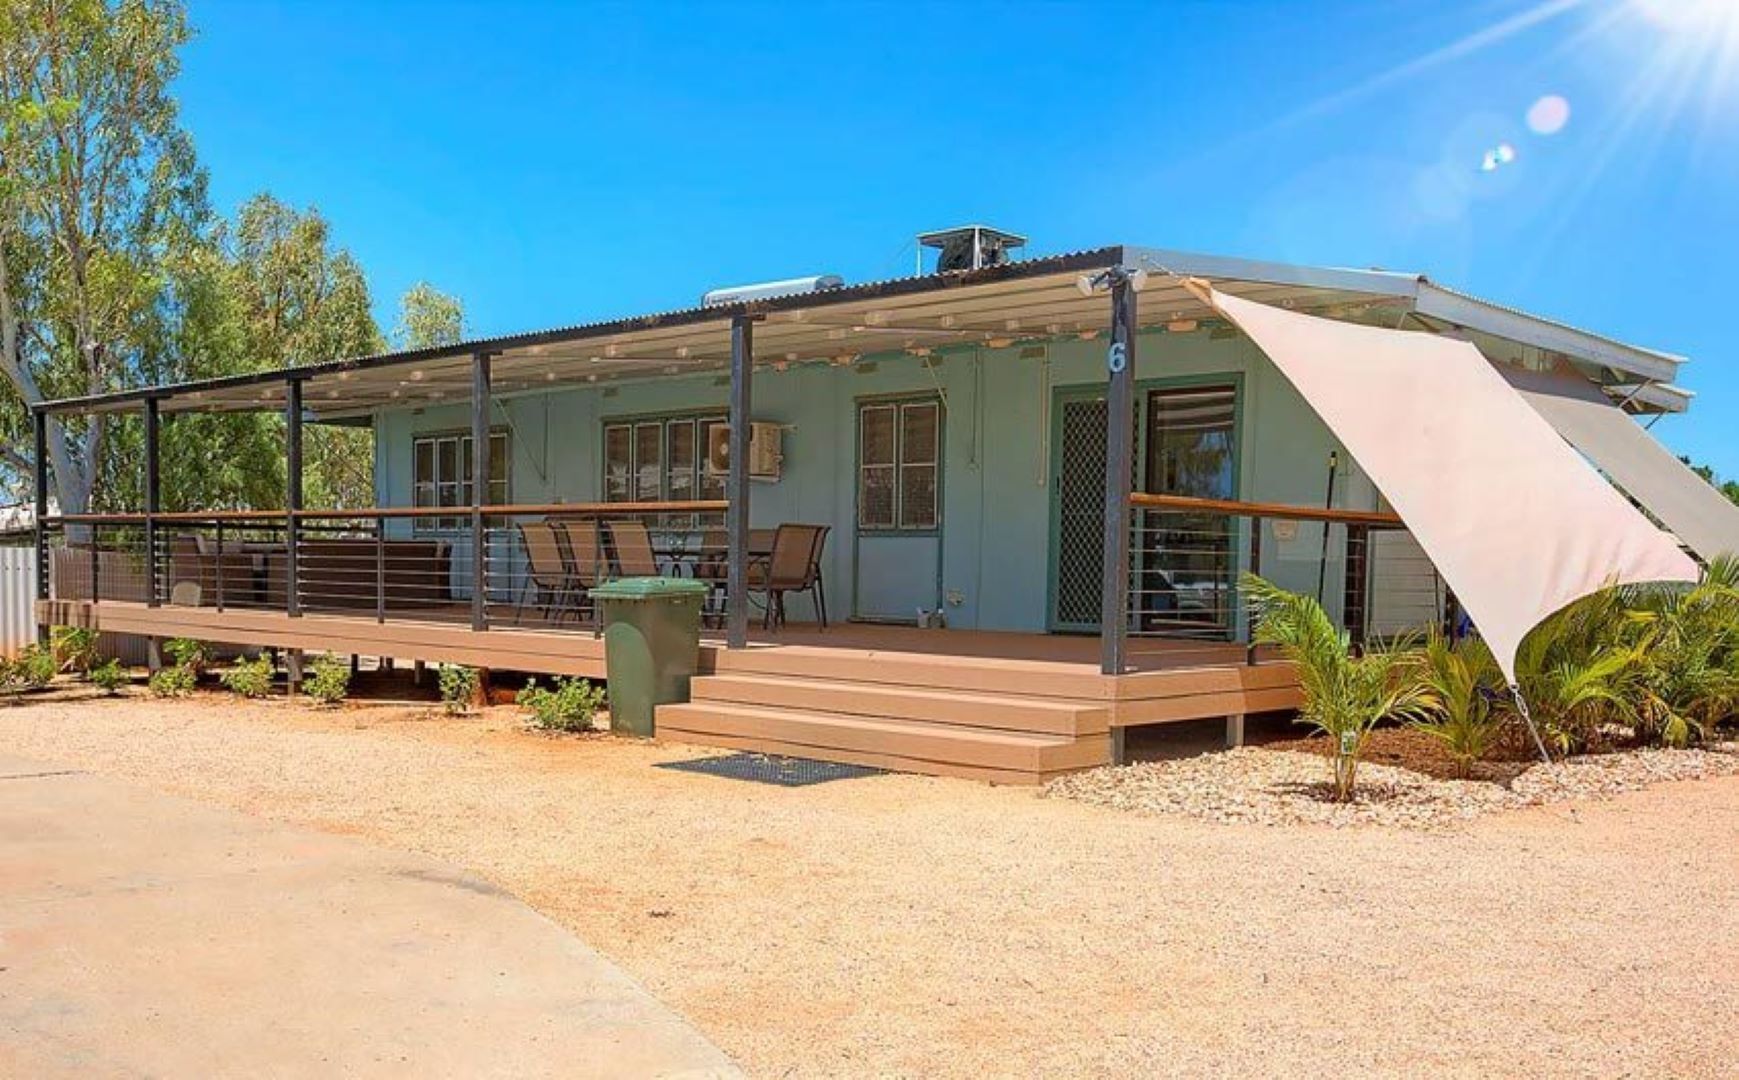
(548, 570)
(631, 549)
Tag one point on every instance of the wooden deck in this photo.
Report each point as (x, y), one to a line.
(1006, 707)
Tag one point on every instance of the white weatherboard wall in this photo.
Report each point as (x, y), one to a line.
(17, 598)
(996, 480)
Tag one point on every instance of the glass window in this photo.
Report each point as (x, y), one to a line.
(659, 459)
(899, 465)
(442, 475)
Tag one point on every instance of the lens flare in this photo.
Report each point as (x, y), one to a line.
(1548, 115)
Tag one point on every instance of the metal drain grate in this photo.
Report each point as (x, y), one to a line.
(771, 769)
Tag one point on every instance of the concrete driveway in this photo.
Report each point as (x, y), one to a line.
(146, 935)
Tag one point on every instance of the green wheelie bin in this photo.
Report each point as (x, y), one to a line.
(651, 645)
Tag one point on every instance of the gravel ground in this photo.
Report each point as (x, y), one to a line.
(1280, 787)
(913, 926)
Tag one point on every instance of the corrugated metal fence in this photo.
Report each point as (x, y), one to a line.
(17, 598)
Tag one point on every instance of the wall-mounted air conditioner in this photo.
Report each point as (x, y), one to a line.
(766, 459)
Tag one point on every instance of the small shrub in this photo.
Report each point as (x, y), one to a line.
(328, 680)
(188, 653)
(249, 678)
(11, 679)
(75, 648)
(172, 682)
(458, 688)
(36, 667)
(109, 677)
(568, 705)
(1465, 682)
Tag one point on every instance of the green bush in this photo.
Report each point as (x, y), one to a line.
(36, 666)
(175, 681)
(459, 686)
(1465, 682)
(109, 677)
(75, 648)
(188, 653)
(1344, 696)
(11, 679)
(328, 680)
(568, 706)
(249, 678)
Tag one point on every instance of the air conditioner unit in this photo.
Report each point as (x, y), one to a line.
(765, 457)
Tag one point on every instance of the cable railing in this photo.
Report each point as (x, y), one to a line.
(1186, 556)
(497, 566)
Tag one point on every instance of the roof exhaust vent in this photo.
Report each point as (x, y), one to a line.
(766, 290)
(968, 247)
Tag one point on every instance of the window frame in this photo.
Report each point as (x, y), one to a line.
(500, 449)
(900, 467)
(701, 482)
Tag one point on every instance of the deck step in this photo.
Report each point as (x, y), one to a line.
(920, 746)
(997, 711)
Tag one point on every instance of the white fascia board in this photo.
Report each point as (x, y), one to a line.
(1664, 397)
(1453, 307)
(1223, 268)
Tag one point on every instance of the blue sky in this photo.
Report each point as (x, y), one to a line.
(554, 163)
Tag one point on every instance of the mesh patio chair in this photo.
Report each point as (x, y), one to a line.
(631, 548)
(548, 572)
(584, 548)
(794, 565)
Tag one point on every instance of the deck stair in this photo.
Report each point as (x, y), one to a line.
(940, 730)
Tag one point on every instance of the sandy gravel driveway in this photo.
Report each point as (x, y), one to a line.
(904, 925)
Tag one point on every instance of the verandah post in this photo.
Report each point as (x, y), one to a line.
(737, 484)
(153, 498)
(292, 494)
(1119, 469)
(480, 391)
(39, 417)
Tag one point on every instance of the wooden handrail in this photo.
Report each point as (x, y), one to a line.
(1141, 500)
(686, 506)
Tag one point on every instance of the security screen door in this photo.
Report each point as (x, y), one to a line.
(1182, 564)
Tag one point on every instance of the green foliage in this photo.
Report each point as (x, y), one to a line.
(109, 677)
(11, 679)
(1465, 684)
(75, 647)
(1580, 671)
(328, 680)
(569, 706)
(459, 686)
(172, 682)
(428, 317)
(36, 666)
(189, 653)
(249, 678)
(1689, 679)
(1344, 696)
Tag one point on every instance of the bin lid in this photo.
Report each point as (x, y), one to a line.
(650, 588)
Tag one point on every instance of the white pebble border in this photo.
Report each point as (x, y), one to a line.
(1270, 787)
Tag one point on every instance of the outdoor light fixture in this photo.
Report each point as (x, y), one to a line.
(999, 342)
(1088, 284)
(1181, 326)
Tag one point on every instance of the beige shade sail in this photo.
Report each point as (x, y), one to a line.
(1515, 521)
(1684, 502)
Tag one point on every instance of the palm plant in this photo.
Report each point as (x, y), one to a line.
(1465, 684)
(1344, 696)
(1690, 679)
(1581, 669)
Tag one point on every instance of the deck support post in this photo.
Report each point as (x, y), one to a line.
(292, 506)
(737, 484)
(1234, 731)
(1119, 745)
(153, 498)
(293, 671)
(480, 390)
(39, 420)
(1119, 469)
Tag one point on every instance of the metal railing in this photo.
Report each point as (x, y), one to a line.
(1186, 555)
(514, 565)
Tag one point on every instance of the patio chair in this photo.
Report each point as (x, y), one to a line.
(548, 571)
(794, 565)
(631, 549)
(584, 548)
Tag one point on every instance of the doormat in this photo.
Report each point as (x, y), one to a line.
(772, 769)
